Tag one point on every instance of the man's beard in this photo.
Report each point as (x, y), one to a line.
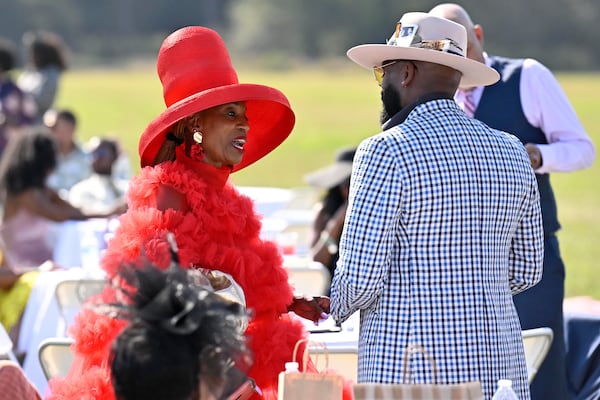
(390, 98)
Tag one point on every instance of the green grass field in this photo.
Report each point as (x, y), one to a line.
(337, 107)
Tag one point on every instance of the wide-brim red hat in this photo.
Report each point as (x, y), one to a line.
(196, 73)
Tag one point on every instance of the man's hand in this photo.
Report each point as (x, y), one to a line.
(312, 308)
(535, 155)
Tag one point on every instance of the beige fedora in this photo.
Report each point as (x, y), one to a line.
(423, 37)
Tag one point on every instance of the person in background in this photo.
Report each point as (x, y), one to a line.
(74, 164)
(31, 213)
(529, 103)
(183, 340)
(46, 61)
(15, 286)
(443, 223)
(100, 192)
(212, 127)
(17, 109)
(329, 221)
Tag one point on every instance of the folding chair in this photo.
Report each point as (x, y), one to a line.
(6, 345)
(312, 278)
(536, 342)
(55, 357)
(71, 295)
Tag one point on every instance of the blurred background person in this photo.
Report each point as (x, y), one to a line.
(101, 191)
(329, 220)
(46, 61)
(529, 103)
(15, 286)
(73, 163)
(17, 109)
(31, 213)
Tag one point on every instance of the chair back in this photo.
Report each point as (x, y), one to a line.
(55, 357)
(71, 294)
(536, 342)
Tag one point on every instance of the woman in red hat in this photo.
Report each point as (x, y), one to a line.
(212, 126)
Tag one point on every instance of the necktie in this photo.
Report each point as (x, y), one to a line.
(469, 104)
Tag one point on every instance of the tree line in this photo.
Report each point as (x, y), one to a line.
(560, 33)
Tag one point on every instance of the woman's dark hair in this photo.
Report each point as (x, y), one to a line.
(46, 49)
(7, 55)
(180, 332)
(27, 161)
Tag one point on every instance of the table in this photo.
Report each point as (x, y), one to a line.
(267, 200)
(80, 243)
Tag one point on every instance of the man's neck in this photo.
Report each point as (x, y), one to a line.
(67, 148)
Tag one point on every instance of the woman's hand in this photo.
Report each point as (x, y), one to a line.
(312, 308)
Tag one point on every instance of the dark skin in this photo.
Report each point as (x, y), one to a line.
(414, 79)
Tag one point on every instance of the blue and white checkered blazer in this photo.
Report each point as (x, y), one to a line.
(443, 227)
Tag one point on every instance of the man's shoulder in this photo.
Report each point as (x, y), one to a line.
(527, 63)
(502, 137)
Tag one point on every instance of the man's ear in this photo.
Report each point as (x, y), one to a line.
(408, 72)
(478, 29)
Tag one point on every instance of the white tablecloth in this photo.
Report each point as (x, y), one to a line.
(82, 242)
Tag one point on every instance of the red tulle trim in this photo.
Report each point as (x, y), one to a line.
(92, 383)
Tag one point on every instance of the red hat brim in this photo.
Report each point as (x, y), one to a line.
(270, 117)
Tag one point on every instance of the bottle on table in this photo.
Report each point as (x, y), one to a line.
(505, 391)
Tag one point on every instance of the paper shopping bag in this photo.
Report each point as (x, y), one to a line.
(309, 385)
(428, 391)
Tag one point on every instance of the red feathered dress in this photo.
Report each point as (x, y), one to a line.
(217, 229)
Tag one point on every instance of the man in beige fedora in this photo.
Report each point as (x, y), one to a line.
(443, 224)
